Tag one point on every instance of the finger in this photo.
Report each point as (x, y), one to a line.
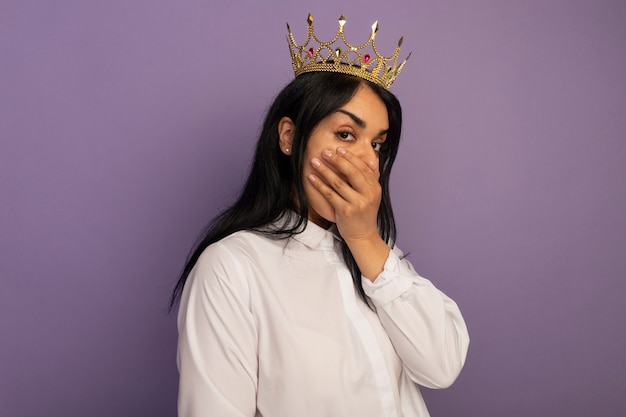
(333, 181)
(334, 199)
(359, 174)
(372, 164)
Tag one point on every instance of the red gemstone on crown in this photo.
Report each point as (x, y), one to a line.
(311, 51)
(366, 58)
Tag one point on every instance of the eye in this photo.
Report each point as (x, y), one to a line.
(377, 146)
(345, 135)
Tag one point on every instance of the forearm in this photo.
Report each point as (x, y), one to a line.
(370, 254)
(424, 325)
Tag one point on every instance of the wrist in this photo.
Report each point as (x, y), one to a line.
(370, 254)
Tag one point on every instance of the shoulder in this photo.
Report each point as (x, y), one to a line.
(229, 251)
(221, 268)
(240, 254)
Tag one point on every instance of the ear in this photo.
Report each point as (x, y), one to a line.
(286, 130)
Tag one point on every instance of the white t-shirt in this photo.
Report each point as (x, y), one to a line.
(274, 328)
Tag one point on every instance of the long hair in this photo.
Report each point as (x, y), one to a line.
(275, 179)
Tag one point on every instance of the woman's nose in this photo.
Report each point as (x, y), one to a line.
(367, 154)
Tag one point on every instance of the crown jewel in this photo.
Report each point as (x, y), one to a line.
(338, 55)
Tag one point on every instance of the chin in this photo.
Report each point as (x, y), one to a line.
(322, 214)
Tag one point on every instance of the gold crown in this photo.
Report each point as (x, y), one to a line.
(346, 58)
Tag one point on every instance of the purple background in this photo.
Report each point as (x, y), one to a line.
(126, 125)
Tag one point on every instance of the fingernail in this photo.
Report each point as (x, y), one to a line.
(316, 162)
(327, 153)
(311, 178)
(341, 151)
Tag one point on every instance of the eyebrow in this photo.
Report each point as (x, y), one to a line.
(360, 122)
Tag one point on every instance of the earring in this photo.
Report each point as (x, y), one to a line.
(286, 150)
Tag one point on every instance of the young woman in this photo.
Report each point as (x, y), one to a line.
(296, 301)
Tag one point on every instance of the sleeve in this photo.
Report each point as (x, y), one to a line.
(217, 340)
(424, 325)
